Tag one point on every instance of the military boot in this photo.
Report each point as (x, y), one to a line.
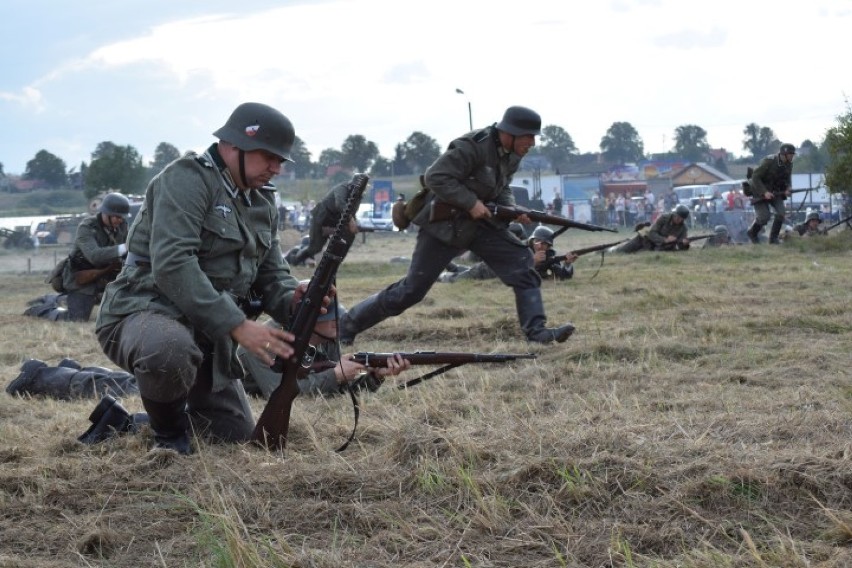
(361, 317)
(777, 223)
(109, 418)
(21, 384)
(754, 232)
(531, 316)
(170, 424)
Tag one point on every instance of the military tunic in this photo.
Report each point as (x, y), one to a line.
(474, 167)
(654, 237)
(198, 247)
(773, 175)
(95, 246)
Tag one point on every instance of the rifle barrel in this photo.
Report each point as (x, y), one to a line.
(437, 358)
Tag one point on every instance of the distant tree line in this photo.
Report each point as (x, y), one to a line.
(120, 167)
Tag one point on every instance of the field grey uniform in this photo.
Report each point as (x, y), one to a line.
(475, 166)
(95, 246)
(198, 247)
(775, 176)
(326, 213)
(655, 237)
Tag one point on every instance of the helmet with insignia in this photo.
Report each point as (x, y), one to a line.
(256, 126)
(518, 120)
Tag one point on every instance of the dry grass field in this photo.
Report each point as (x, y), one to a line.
(701, 416)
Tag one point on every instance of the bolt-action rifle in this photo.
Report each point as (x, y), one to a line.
(443, 211)
(449, 360)
(671, 246)
(274, 422)
(580, 252)
(842, 221)
(760, 199)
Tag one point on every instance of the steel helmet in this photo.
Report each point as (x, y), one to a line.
(681, 211)
(305, 241)
(543, 233)
(787, 149)
(813, 216)
(518, 230)
(256, 126)
(115, 204)
(518, 120)
(720, 230)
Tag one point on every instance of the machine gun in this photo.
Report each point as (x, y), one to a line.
(274, 422)
(443, 211)
(449, 360)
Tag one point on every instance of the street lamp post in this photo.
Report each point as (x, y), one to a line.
(469, 111)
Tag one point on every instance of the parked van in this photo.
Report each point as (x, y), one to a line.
(689, 194)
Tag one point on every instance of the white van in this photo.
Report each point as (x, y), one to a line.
(688, 194)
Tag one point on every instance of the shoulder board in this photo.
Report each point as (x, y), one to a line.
(482, 135)
(204, 160)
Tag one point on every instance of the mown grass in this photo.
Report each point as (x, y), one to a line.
(699, 417)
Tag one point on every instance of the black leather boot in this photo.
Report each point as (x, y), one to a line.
(362, 316)
(21, 384)
(531, 316)
(754, 232)
(170, 424)
(777, 223)
(109, 418)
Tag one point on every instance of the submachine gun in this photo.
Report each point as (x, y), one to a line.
(274, 422)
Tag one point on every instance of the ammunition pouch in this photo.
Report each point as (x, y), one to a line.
(403, 212)
(251, 307)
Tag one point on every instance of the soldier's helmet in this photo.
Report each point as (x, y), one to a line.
(256, 126)
(115, 204)
(813, 216)
(720, 230)
(787, 149)
(544, 234)
(518, 230)
(681, 211)
(306, 240)
(518, 120)
(333, 314)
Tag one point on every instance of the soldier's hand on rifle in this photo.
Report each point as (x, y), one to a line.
(353, 225)
(570, 258)
(300, 290)
(396, 365)
(523, 219)
(768, 196)
(479, 211)
(671, 239)
(263, 341)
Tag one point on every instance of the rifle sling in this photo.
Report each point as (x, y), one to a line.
(356, 410)
(429, 375)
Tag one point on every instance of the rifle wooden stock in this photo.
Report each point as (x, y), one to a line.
(581, 251)
(87, 276)
(443, 211)
(437, 358)
(274, 422)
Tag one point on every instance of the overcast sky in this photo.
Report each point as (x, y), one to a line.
(141, 72)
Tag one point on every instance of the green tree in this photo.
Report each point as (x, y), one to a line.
(419, 151)
(759, 141)
(557, 146)
(622, 144)
(48, 168)
(382, 167)
(115, 168)
(301, 166)
(358, 153)
(399, 166)
(691, 142)
(838, 145)
(328, 158)
(163, 156)
(810, 158)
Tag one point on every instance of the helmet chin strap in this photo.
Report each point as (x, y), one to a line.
(243, 169)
